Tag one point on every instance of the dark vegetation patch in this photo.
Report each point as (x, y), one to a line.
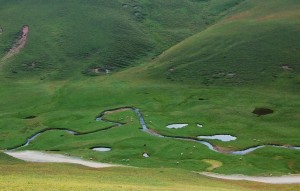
(30, 117)
(262, 111)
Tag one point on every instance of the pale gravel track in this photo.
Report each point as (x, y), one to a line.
(43, 157)
(288, 179)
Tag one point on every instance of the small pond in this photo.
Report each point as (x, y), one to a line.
(101, 149)
(177, 126)
(224, 138)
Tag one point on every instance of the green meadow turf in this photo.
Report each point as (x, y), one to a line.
(75, 105)
(249, 46)
(17, 175)
(71, 38)
(227, 60)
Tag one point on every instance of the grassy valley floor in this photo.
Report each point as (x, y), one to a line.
(208, 64)
(76, 104)
(17, 175)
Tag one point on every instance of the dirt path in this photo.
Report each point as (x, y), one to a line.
(36, 156)
(290, 179)
(20, 43)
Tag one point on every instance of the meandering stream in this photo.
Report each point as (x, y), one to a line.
(146, 130)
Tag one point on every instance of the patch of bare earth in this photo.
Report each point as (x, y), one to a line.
(36, 156)
(222, 149)
(116, 111)
(289, 179)
(213, 164)
(20, 44)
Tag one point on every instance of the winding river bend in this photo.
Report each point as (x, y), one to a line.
(145, 129)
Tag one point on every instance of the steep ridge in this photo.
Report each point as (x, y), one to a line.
(259, 43)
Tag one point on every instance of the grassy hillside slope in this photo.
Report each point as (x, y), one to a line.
(67, 38)
(258, 44)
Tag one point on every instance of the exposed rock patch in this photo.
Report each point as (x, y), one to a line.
(287, 68)
(99, 71)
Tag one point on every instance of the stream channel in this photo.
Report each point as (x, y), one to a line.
(146, 130)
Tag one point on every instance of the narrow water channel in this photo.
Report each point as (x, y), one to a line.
(146, 130)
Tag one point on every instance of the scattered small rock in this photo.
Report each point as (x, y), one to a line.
(230, 75)
(96, 70)
(287, 68)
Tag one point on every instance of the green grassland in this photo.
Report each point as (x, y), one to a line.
(207, 62)
(73, 37)
(247, 47)
(75, 105)
(16, 175)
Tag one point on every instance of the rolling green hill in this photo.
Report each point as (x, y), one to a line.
(257, 44)
(67, 38)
